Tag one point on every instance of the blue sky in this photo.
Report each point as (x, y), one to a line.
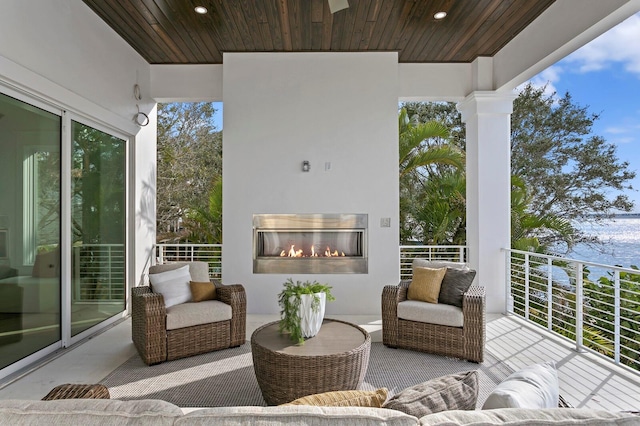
(604, 76)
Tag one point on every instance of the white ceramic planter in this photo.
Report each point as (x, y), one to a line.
(310, 321)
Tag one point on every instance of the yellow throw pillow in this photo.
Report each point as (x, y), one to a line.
(425, 285)
(202, 291)
(348, 398)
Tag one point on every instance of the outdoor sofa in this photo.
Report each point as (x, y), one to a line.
(105, 412)
(446, 400)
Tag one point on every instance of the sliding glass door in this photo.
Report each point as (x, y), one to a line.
(63, 204)
(98, 225)
(30, 139)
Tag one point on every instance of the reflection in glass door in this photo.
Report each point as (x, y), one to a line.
(98, 212)
(29, 229)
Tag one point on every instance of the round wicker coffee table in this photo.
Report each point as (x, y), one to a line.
(335, 359)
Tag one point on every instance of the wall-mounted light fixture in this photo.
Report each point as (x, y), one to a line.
(306, 166)
(336, 5)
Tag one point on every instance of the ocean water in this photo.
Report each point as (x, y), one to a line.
(621, 238)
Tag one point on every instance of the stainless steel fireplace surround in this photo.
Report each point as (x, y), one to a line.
(310, 243)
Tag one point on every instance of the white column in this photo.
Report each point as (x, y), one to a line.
(488, 135)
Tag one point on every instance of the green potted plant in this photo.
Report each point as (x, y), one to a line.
(302, 308)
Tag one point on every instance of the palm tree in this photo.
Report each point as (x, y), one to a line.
(415, 152)
(428, 166)
(442, 210)
(533, 231)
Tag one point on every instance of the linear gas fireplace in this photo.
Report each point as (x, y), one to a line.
(310, 243)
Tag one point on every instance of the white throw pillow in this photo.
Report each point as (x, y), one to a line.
(535, 386)
(173, 285)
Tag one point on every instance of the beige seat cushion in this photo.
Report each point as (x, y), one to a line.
(199, 271)
(431, 313)
(190, 314)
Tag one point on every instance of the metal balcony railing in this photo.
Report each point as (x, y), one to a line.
(98, 273)
(596, 306)
(210, 253)
(442, 253)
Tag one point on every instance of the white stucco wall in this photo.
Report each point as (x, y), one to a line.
(282, 109)
(63, 54)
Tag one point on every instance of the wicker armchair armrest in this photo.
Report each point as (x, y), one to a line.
(473, 310)
(391, 296)
(78, 391)
(473, 300)
(149, 324)
(235, 296)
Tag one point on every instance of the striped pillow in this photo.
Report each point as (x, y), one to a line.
(457, 391)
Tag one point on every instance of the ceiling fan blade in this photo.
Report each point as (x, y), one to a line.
(336, 5)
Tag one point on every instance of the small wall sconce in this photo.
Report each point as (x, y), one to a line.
(306, 166)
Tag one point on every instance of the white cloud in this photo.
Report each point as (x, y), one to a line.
(616, 130)
(620, 44)
(622, 141)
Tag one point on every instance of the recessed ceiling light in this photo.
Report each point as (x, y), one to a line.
(201, 10)
(440, 15)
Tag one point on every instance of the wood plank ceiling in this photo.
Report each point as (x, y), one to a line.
(170, 32)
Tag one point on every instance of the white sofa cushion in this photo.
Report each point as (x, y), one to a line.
(88, 412)
(190, 314)
(535, 386)
(296, 415)
(529, 417)
(431, 313)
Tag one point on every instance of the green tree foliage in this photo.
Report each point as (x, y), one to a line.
(568, 171)
(189, 163)
(563, 173)
(442, 213)
(428, 163)
(528, 227)
(205, 224)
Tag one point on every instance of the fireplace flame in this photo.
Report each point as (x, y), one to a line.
(292, 252)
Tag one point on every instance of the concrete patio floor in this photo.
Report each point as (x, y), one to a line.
(586, 380)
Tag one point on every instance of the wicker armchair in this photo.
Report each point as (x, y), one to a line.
(466, 342)
(156, 344)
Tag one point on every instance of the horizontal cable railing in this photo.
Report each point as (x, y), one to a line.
(98, 273)
(442, 253)
(596, 306)
(210, 253)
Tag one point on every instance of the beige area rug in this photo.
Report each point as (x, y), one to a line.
(226, 378)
